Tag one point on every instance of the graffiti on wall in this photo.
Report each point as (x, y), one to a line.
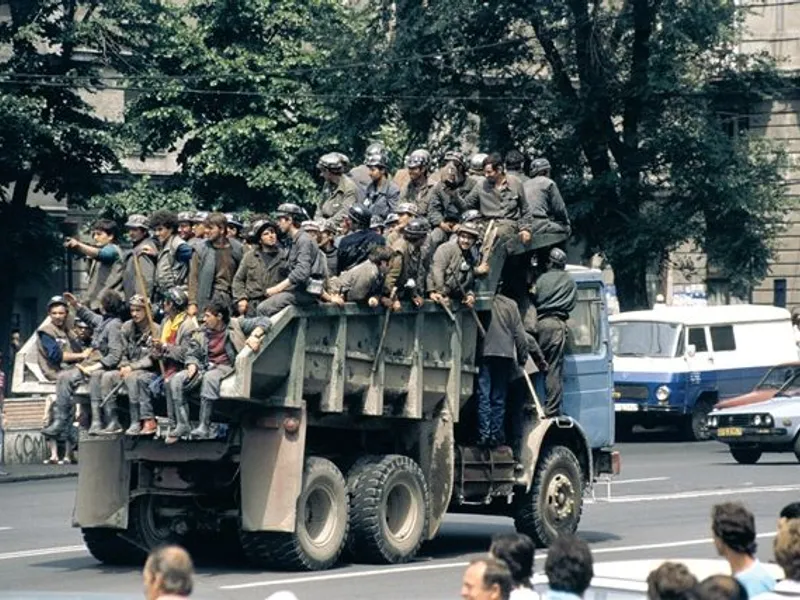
(23, 447)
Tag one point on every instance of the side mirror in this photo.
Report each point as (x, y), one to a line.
(691, 350)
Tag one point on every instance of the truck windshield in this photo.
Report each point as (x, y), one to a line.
(644, 338)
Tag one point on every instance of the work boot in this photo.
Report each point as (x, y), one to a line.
(149, 426)
(136, 425)
(183, 427)
(97, 424)
(58, 425)
(203, 431)
(113, 426)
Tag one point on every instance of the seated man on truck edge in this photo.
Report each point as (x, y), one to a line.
(361, 283)
(408, 270)
(57, 347)
(452, 273)
(355, 247)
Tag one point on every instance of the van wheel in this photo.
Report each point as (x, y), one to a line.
(553, 506)
(746, 456)
(388, 509)
(321, 526)
(696, 425)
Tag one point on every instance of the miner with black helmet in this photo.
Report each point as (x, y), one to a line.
(338, 192)
(407, 275)
(354, 248)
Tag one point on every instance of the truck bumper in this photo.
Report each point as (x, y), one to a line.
(607, 461)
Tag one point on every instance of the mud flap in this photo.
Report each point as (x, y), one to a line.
(533, 436)
(103, 484)
(272, 471)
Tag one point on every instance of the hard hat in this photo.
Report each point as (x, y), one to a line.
(407, 208)
(329, 226)
(360, 214)
(470, 215)
(470, 228)
(376, 222)
(416, 228)
(82, 324)
(185, 216)
(376, 160)
(56, 301)
(332, 162)
(455, 157)
(261, 225)
(345, 160)
(178, 295)
(137, 222)
(538, 165)
(418, 158)
(293, 211)
(137, 301)
(476, 161)
(391, 219)
(311, 226)
(200, 216)
(374, 148)
(558, 258)
(233, 219)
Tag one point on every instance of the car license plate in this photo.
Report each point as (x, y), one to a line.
(729, 431)
(626, 407)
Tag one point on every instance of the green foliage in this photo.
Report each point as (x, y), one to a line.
(142, 197)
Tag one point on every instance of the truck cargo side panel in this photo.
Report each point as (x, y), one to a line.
(103, 484)
(272, 473)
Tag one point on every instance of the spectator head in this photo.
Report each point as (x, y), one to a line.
(789, 512)
(216, 315)
(112, 304)
(516, 550)
(104, 231)
(670, 581)
(734, 529)
(168, 572)
(515, 161)
(569, 566)
(720, 587)
(787, 549)
(487, 579)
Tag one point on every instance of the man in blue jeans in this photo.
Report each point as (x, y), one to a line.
(504, 347)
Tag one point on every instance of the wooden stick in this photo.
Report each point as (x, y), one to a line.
(375, 363)
(536, 403)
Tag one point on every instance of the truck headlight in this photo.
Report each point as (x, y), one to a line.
(662, 393)
(757, 420)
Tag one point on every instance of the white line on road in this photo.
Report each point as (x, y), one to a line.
(453, 565)
(643, 480)
(6, 528)
(696, 494)
(42, 552)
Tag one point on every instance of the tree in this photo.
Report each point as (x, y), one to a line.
(631, 102)
(143, 197)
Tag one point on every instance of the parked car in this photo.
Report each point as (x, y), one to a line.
(781, 380)
(751, 430)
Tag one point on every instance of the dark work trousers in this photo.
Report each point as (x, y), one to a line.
(275, 304)
(551, 333)
(494, 375)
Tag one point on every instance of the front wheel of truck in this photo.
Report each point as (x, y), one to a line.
(111, 547)
(321, 525)
(554, 504)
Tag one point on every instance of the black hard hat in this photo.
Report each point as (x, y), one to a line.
(234, 219)
(377, 160)
(416, 228)
(360, 214)
(418, 158)
(295, 212)
(261, 225)
(332, 162)
(539, 164)
(470, 215)
(179, 296)
(558, 258)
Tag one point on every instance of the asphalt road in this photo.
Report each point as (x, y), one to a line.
(658, 508)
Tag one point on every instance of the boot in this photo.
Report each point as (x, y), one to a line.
(136, 425)
(183, 427)
(97, 424)
(149, 427)
(59, 424)
(203, 431)
(113, 426)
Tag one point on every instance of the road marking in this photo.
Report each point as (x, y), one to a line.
(6, 528)
(643, 480)
(453, 565)
(695, 494)
(42, 552)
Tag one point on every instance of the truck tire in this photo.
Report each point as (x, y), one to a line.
(746, 456)
(151, 529)
(110, 548)
(321, 529)
(695, 428)
(388, 509)
(555, 502)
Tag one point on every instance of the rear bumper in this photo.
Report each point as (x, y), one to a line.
(631, 408)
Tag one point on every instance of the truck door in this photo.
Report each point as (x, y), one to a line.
(588, 374)
(702, 374)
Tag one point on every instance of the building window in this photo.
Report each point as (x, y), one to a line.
(779, 293)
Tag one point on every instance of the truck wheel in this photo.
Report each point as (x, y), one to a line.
(555, 502)
(321, 529)
(153, 524)
(388, 509)
(746, 456)
(110, 548)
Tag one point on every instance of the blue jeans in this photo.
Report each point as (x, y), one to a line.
(494, 375)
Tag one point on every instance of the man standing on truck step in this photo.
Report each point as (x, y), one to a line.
(213, 265)
(504, 346)
(408, 270)
(362, 283)
(106, 354)
(305, 265)
(452, 273)
(213, 359)
(172, 256)
(555, 295)
(105, 267)
(355, 247)
(57, 347)
(338, 192)
(139, 235)
(135, 369)
(260, 269)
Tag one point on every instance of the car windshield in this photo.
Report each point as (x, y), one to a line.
(644, 338)
(779, 377)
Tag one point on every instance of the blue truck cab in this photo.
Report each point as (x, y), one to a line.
(676, 363)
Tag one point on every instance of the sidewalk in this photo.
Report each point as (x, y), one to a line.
(16, 473)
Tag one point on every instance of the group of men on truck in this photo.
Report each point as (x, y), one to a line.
(213, 282)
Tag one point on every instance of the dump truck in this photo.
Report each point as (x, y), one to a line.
(337, 440)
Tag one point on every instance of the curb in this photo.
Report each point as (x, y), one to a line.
(11, 478)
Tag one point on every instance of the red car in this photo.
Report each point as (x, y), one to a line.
(782, 379)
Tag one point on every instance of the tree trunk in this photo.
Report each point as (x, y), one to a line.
(630, 279)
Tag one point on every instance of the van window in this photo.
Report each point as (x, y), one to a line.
(697, 336)
(722, 339)
(584, 323)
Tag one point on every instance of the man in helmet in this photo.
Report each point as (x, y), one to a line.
(199, 225)
(260, 269)
(550, 221)
(447, 197)
(390, 225)
(235, 226)
(360, 174)
(363, 282)
(554, 297)
(382, 193)
(173, 253)
(139, 234)
(418, 188)
(135, 369)
(376, 224)
(185, 225)
(213, 265)
(338, 192)
(328, 247)
(57, 347)
(305, 265)
(405, 213)
(453, 268)
(408, 271)
(476, 164)
(515, 165)
(354, 248)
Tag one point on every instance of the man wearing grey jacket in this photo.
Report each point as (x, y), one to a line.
(214, 266)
